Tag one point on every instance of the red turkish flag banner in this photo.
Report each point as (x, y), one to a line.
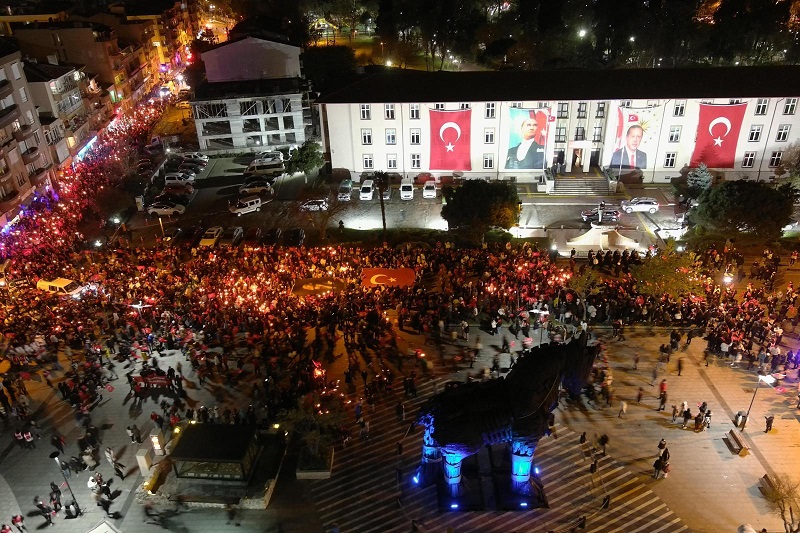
(718, 135)
(394, 277)
(450, 140)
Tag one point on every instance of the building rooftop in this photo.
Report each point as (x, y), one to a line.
(399, 85)
(61, 24)
(244, 88)
(224, 443)
(44, 72)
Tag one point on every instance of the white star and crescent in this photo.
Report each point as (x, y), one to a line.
(719, 120)
(446, 126)
(374, 279)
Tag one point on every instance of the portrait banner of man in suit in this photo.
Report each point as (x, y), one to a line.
(636, 138)
(527, 138)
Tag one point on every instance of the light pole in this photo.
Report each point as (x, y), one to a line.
(55, 455)
(382, 56)
(769, 380)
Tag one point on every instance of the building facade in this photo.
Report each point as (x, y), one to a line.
(25, 166)
(253, 100)
(640, 125)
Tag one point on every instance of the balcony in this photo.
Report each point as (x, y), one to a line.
(5, 88)
(31, 154)
(4, 170)
(23, 132)
(39, 176)
(9, 201)
(9, 115)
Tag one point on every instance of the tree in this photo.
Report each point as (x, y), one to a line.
(328, 67)
(479, 205)
(307, 159)
(783, 497)
(585, 283)
(699, 180)
(669, 272)
(320, 220)
(746, 207)
(382, 182)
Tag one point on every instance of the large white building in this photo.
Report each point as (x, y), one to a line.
(253, 99)
(737, 120)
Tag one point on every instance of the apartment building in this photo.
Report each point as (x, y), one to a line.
(120, 67)
(170, 27)
(25, 166)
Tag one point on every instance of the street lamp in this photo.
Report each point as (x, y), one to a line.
(769, 380)
(55, 455)
(382, 49)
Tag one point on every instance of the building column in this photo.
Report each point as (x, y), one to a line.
(431, 458)
(452, 472)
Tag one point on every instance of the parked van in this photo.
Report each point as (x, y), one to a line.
(265, 167)
(406, 189)
(345, 190)
(61, 286)
(367, 190)
(245, 205)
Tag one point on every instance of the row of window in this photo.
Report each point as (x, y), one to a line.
(415, 134)
(679, 109)
(748, 161)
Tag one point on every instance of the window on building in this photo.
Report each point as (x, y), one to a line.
(541, 105)
(775, 158)
(674, 134)
(669, 159)
(367, 160)
(597, 134)
(561, 134)
(488, 161)
(463, 106)
(250, 107)
(388, 111)
(366, 112)
(761, 106)
(438, 107)
(391, 136)
(600, 112)
(29, 116)
(680, 108)
(15, 70)
(624, 103)
(580, 133)
(735, 101)
(788, 108)
(755, 133)
(391, 161)
(749, 160)
(516, 104)
(3, 74)
(582, 106)
(366, 136)
(783, 133)
(490, 110)
(414, 111)
(563, 110)
(416, 161)
(210, 111)
(488, 136)
(23, 95)
(415, 136)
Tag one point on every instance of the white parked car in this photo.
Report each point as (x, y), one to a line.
(166, 209)
(184, 175)
(429, 190)
(211, 236)
(256, 187)
(315, 205)
(195, 157)
(640, 204)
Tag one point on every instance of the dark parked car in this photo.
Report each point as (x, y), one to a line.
(182, 199)
(172, 236)
(294, 237)
(252, 238)
(272, 236)
(191, 236)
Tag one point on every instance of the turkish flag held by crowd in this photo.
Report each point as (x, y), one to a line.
(394, 277)
(717, 135)
(450, 140)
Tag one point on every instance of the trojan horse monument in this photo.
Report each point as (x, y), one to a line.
(464, 419)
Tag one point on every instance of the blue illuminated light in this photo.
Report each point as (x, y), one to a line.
(416, 480)
(453, 506)
(536, 469)
(523, 504)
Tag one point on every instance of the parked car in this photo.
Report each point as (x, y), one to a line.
(274, 155)
(166, 209)
(590, 215)
(315, 205)
(387, 193)
(429, 189)
(195, 157)
(259, 178)
(62, 287)
(640, 204)
(294, 237)
(211, 236)
(177, 178)
(367, 190)
(172, 236)
(244, 205)
(256, 187)
(231, 237)
(191, 237)
(183, 105)
(272, 236)
(181, 189)
(252, 238)
(345, 191)
(181, 199)
(190, 167)
(406, 189)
